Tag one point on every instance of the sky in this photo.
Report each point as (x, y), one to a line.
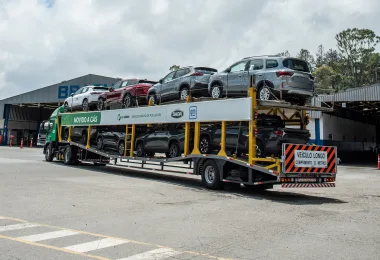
(43, 42)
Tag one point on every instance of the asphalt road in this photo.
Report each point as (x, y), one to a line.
(51, 211)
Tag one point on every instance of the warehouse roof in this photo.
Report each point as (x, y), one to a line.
(368, 93)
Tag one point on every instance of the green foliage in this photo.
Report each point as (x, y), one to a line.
(174, 67)
(284, 54)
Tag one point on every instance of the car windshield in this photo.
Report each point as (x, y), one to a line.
(295, 64)
(205, 70)
(100, 89)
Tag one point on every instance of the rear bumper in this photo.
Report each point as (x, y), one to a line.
(308, 185)
(297, 91)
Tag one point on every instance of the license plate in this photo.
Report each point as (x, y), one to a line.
(306, 180)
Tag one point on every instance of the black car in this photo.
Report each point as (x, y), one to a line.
(79, 134)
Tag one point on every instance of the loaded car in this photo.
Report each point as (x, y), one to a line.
(85, 98)
(276, 77)
(125, 93)
(179, 83)
(111, 139)
(79, 134)
(270, 135)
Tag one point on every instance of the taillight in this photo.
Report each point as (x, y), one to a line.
(256, 132)
(197, 74)
(284, 73)
(278, 132)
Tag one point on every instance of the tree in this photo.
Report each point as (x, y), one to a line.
(285, 54)
(174, 67)
(320, 56)
(307, 56)
(327, 80)
(356, 47)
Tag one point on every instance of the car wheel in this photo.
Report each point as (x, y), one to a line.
(127, 101)
(85, 104)
(204, 145)
(101, 104)
(184, 92)
(121, 148)
(84, 138)
(152, 99)
(140, 150)
(173, 150)
(67, 157)
(211, 176)
(99, 143)
(66, 107)
(65, 135)
(49, 153)
(265, 93)
(216, 91)
(260, 150)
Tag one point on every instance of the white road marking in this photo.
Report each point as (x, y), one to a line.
(49, 235)
(97, 244)
(156, 254)
(17, 226)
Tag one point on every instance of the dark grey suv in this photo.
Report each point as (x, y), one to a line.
(276, 76)
(177, 84)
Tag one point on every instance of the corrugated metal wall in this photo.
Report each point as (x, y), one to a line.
(369, 93)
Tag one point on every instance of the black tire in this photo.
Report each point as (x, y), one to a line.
(99, 143)
(264, 93)
(101, 104)
(211, 176)
(260, 151)
(153, 97)
(66, 107)
(183, 93)
(49, 153)
(85, 105)
(173, 150)
(65, 136)
(127, 101)
(140, 149)
(216, 91)
(120, 148)
(84, 138)
(205, 145)
(67, 155)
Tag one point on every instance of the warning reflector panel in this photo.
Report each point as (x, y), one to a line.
(298, 158)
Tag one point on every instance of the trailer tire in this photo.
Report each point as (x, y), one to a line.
(49, 153)
(211, 176)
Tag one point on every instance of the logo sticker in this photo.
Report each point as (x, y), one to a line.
(119, 117)
(193, 112)
(177, 113)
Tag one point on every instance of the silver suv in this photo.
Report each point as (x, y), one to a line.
(276, 77)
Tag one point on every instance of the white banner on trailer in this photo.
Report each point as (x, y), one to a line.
(205, 111)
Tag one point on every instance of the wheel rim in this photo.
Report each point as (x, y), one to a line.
(258, 151)
(173, 151)
(47, 152)
(100, 143)
(264, 93)
(127, 101)
(139, 150)
(85, 105)
(100, 104)
(204, 145)
(184, 94)
(121, 149)
(215, 93)
(67, 154)
(210, 174)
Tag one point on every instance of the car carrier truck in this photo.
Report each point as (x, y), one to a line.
(299, 165)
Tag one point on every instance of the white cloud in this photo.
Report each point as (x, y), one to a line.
(44, 42)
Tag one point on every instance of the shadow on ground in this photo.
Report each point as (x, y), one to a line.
(279, 196)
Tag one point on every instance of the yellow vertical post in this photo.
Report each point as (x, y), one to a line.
(197, 133)
(252, 123)
(59, 129)
(88, 137)
(222, 151)
(187, 139)
(70, 132)
(126, 140)
(133, 135)
(303, 113)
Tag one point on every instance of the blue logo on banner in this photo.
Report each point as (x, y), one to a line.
(193, 112)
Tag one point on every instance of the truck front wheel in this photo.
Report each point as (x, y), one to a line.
(49, 153)
(211, 176)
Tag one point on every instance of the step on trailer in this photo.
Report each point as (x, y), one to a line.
(299, 165)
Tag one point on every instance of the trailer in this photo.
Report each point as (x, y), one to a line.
(299, 166)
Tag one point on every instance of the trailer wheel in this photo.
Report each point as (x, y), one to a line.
(67, 155)
(211, 176)
(49, 153)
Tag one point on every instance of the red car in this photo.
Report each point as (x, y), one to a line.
(125, 93)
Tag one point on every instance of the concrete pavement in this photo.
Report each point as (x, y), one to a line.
(116, 213)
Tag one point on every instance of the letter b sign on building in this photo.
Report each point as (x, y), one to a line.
(66, 91)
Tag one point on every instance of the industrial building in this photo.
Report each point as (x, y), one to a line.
(21, 115)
